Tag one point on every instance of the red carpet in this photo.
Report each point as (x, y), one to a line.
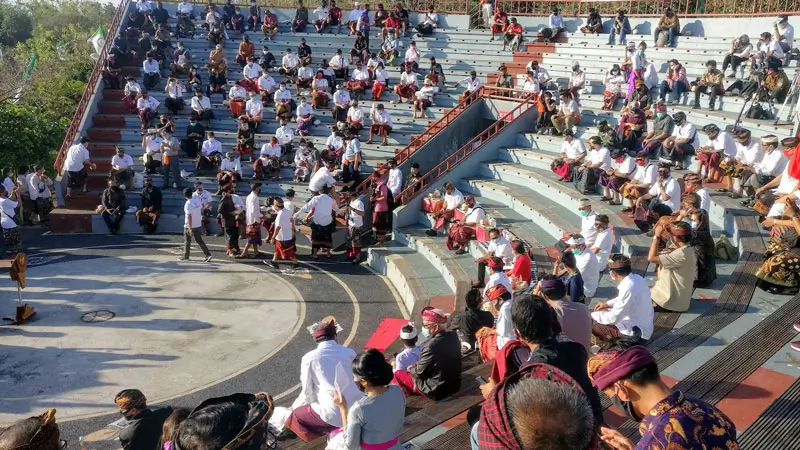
(388, 331)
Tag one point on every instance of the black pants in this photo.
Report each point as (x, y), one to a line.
(233, 238)
(712, 91)
(733, 61)
(191, 147)
(677, 153)
(113, 220)
(198, 237)
(482, 273)
(150, 80)
(425, 29)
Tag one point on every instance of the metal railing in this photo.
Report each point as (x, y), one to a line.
(441, 6)
(504, 120)
(719, 8)
(88, 92)
(426, 136)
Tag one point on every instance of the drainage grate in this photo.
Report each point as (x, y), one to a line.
(101, 315)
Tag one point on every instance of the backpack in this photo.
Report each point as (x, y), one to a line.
(758, 112)
(724, 250)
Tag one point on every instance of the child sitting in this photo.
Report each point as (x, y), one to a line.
(410, 355)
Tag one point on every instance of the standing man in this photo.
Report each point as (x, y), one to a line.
(193, 225)
(253, 220)
(283, 237)
(355, 228)
(395, 180)
(75, 164)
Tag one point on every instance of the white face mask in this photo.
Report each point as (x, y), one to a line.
(283, 88)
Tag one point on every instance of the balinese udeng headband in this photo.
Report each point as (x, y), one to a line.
(576, 240)
(326, 327)
(680, 230)
(620, 262)
(549, 284)
(408, 335)
(606, 368)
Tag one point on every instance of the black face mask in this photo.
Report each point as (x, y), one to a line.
(626, 408)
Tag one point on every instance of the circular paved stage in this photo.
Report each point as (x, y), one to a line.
(181, 332)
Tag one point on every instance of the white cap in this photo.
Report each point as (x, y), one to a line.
(576, 241)
(357, 4)
(411, 334)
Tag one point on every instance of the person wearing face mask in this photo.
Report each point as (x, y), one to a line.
(784, 33)
(568, 115)
(674, 82)
(678, 267)
(605, 241)
(643, 179)
(683, 142)
(491, 340)
(621, 26)
(662, 199)
(593, 24)
(150, 211)
(305, 117)
(143, 430)
(319, 91)
(513, 35)
(585, 176)
(587, 231)
(628, 373)
(720, 145)
(663, 126)
(499, 247)
(702, 242)
(577, 80)
(437, 375)
(630, 313)
(284, 103)
(669, 24)
(710, 83)
(637, 61)
(613, 178)
(613, 82)
(586, 262)
(407, 85)
(771, 196)
(770, 165)
(283, 236)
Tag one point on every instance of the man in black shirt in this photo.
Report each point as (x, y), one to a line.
(536, 325)
(304, 51)
(472, 319)
(160, 15)
(144, 424)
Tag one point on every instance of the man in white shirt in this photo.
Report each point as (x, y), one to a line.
(304, 109)
(720, 145)
(498, 247)
(460, 233)
(341, 103)
(573, 153)
(355, 117)
(121, 167)
(394, 180)
(771, 49)
(266, 86)
(586, 262)
(321, 178)
(452, 200)
(577, 80)
(556, 23)
(784, 184)
(39, 185)
(359, 80)
(784, 33)
(201, 107)
(352, 18)
(283, 236)
(151, 72)
(597, 161)
(253, 225)
(771, 165)
(174, 101)
(663, 198)
(322, 373)
(285, 136)
(684, 141)
(588, 230)
(305, 75)
(268, 164)
(230, 172)
(75, 164)
(381, 123)
(351, 159)
(254, 111)
(630, 313)
(236, 100)
(604, 242)
(643, 178)
(407, 85)
(289, 64)
(355, 227)
(692, 183)
(748, 153)
(339, 65)
(322, 221)
(430, 23)
(471, 84)
(185, 9)
(412, 56)
(192, 225)
(210, 154)
(498, 291)
(567, 116)
(147, 107)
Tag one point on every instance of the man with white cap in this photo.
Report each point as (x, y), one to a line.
(437, 375)
(586, 261)
(323, 371)
(630, 313)
(352, 18)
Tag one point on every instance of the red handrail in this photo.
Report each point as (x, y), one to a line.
(456, 158)
(693, 8)
(427, 135)
(83, 104)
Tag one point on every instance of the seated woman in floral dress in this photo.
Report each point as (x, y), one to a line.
(780, 272)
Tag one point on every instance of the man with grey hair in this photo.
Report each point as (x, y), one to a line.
(539, 407)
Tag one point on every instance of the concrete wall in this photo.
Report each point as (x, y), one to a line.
(409, 214)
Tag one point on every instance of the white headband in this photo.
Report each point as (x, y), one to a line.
(314, 326)
(411, 334)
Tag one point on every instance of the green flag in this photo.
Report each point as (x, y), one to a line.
(29, 69)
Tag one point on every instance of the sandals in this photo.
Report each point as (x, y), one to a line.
(723, 190)
(614, 203)
(627, 209)
(734, 195)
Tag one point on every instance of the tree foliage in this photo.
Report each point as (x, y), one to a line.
(34, 125)
(29, 136)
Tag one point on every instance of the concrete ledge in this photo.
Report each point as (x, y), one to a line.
(70, 221)
(444, 261)
(403, 277)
